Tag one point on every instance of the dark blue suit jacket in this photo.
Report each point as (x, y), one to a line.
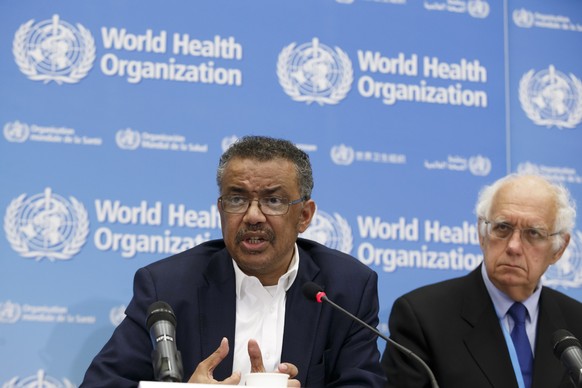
(453, 327)
(328, 348)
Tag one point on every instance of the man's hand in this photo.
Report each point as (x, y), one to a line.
(204, 370)
(258, 366)
(256, 357)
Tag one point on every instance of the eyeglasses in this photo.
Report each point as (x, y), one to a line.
(270, 206)
(532, 236)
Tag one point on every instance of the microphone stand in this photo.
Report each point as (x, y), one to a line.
(403, 349)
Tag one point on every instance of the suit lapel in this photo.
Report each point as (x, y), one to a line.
(217, 301)
(485, 341)
(487, 344)
(548, 371)
(301, 319)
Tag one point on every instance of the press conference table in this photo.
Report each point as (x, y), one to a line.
(158, 384)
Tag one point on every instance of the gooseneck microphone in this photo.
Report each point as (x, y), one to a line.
(313, 291)
(567, 349)
(166, 359)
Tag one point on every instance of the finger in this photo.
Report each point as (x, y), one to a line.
(204, 371)
(288, 368)
(294, 383)
(255, 356)
(233, 379)
(212, 361)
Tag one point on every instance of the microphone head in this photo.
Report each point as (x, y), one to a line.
(562, 340)
(311, 291)
(160, 311)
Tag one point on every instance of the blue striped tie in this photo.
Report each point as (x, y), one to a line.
(522, 346)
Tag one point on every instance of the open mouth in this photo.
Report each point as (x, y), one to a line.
(254, 243)
(254, 240)
(254, 237)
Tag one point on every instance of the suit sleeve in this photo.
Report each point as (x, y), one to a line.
(358, 360)
(125, 360)
(405, 328)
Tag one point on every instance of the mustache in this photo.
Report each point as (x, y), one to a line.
(265, 233)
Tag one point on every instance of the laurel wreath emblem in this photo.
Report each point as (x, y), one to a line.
(28, 68)
(292, 90)
(19, 244)
(479, 165)
(38, 380)
(347, 240)
(337, 231)
(342, 155)
(576, 281)
(534, 114)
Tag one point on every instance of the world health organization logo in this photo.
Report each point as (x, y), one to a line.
(528, 168)
(550, 98)
(117, 314)
(567, 272)
(46, 225)
(227, 142)
(16, 132)
(479, 165)
(38, 380)
(53, 50)
(313, 72)
(10, 312)
(523, 18)
(478, 8)
(128, 139)
(333, 232)
(342, 155)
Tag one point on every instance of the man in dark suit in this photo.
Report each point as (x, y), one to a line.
(238, 301)
(465, 329)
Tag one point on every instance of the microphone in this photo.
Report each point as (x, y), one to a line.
(166, 359)
(567, 349)
(313, 291)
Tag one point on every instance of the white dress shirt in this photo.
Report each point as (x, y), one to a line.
(502, 303)
(260, 315)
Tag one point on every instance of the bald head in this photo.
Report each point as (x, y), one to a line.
(514, 188)
(524, 227)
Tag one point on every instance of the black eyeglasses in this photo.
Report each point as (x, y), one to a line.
(532, 236)
(270, 206)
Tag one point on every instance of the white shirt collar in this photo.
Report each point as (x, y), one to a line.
(502, 302)
(285, 281)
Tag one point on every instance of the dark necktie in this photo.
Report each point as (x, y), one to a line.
(519, 336)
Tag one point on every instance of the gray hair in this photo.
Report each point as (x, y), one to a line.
(566, 207)
(262, 148)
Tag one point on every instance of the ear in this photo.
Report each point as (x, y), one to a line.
(306, 215)
(479, 234)
(560, 251)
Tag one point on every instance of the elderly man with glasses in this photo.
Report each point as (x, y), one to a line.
(494, 326)
(238, 301)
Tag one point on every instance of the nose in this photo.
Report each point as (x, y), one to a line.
(514, 242)
(254, 213)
